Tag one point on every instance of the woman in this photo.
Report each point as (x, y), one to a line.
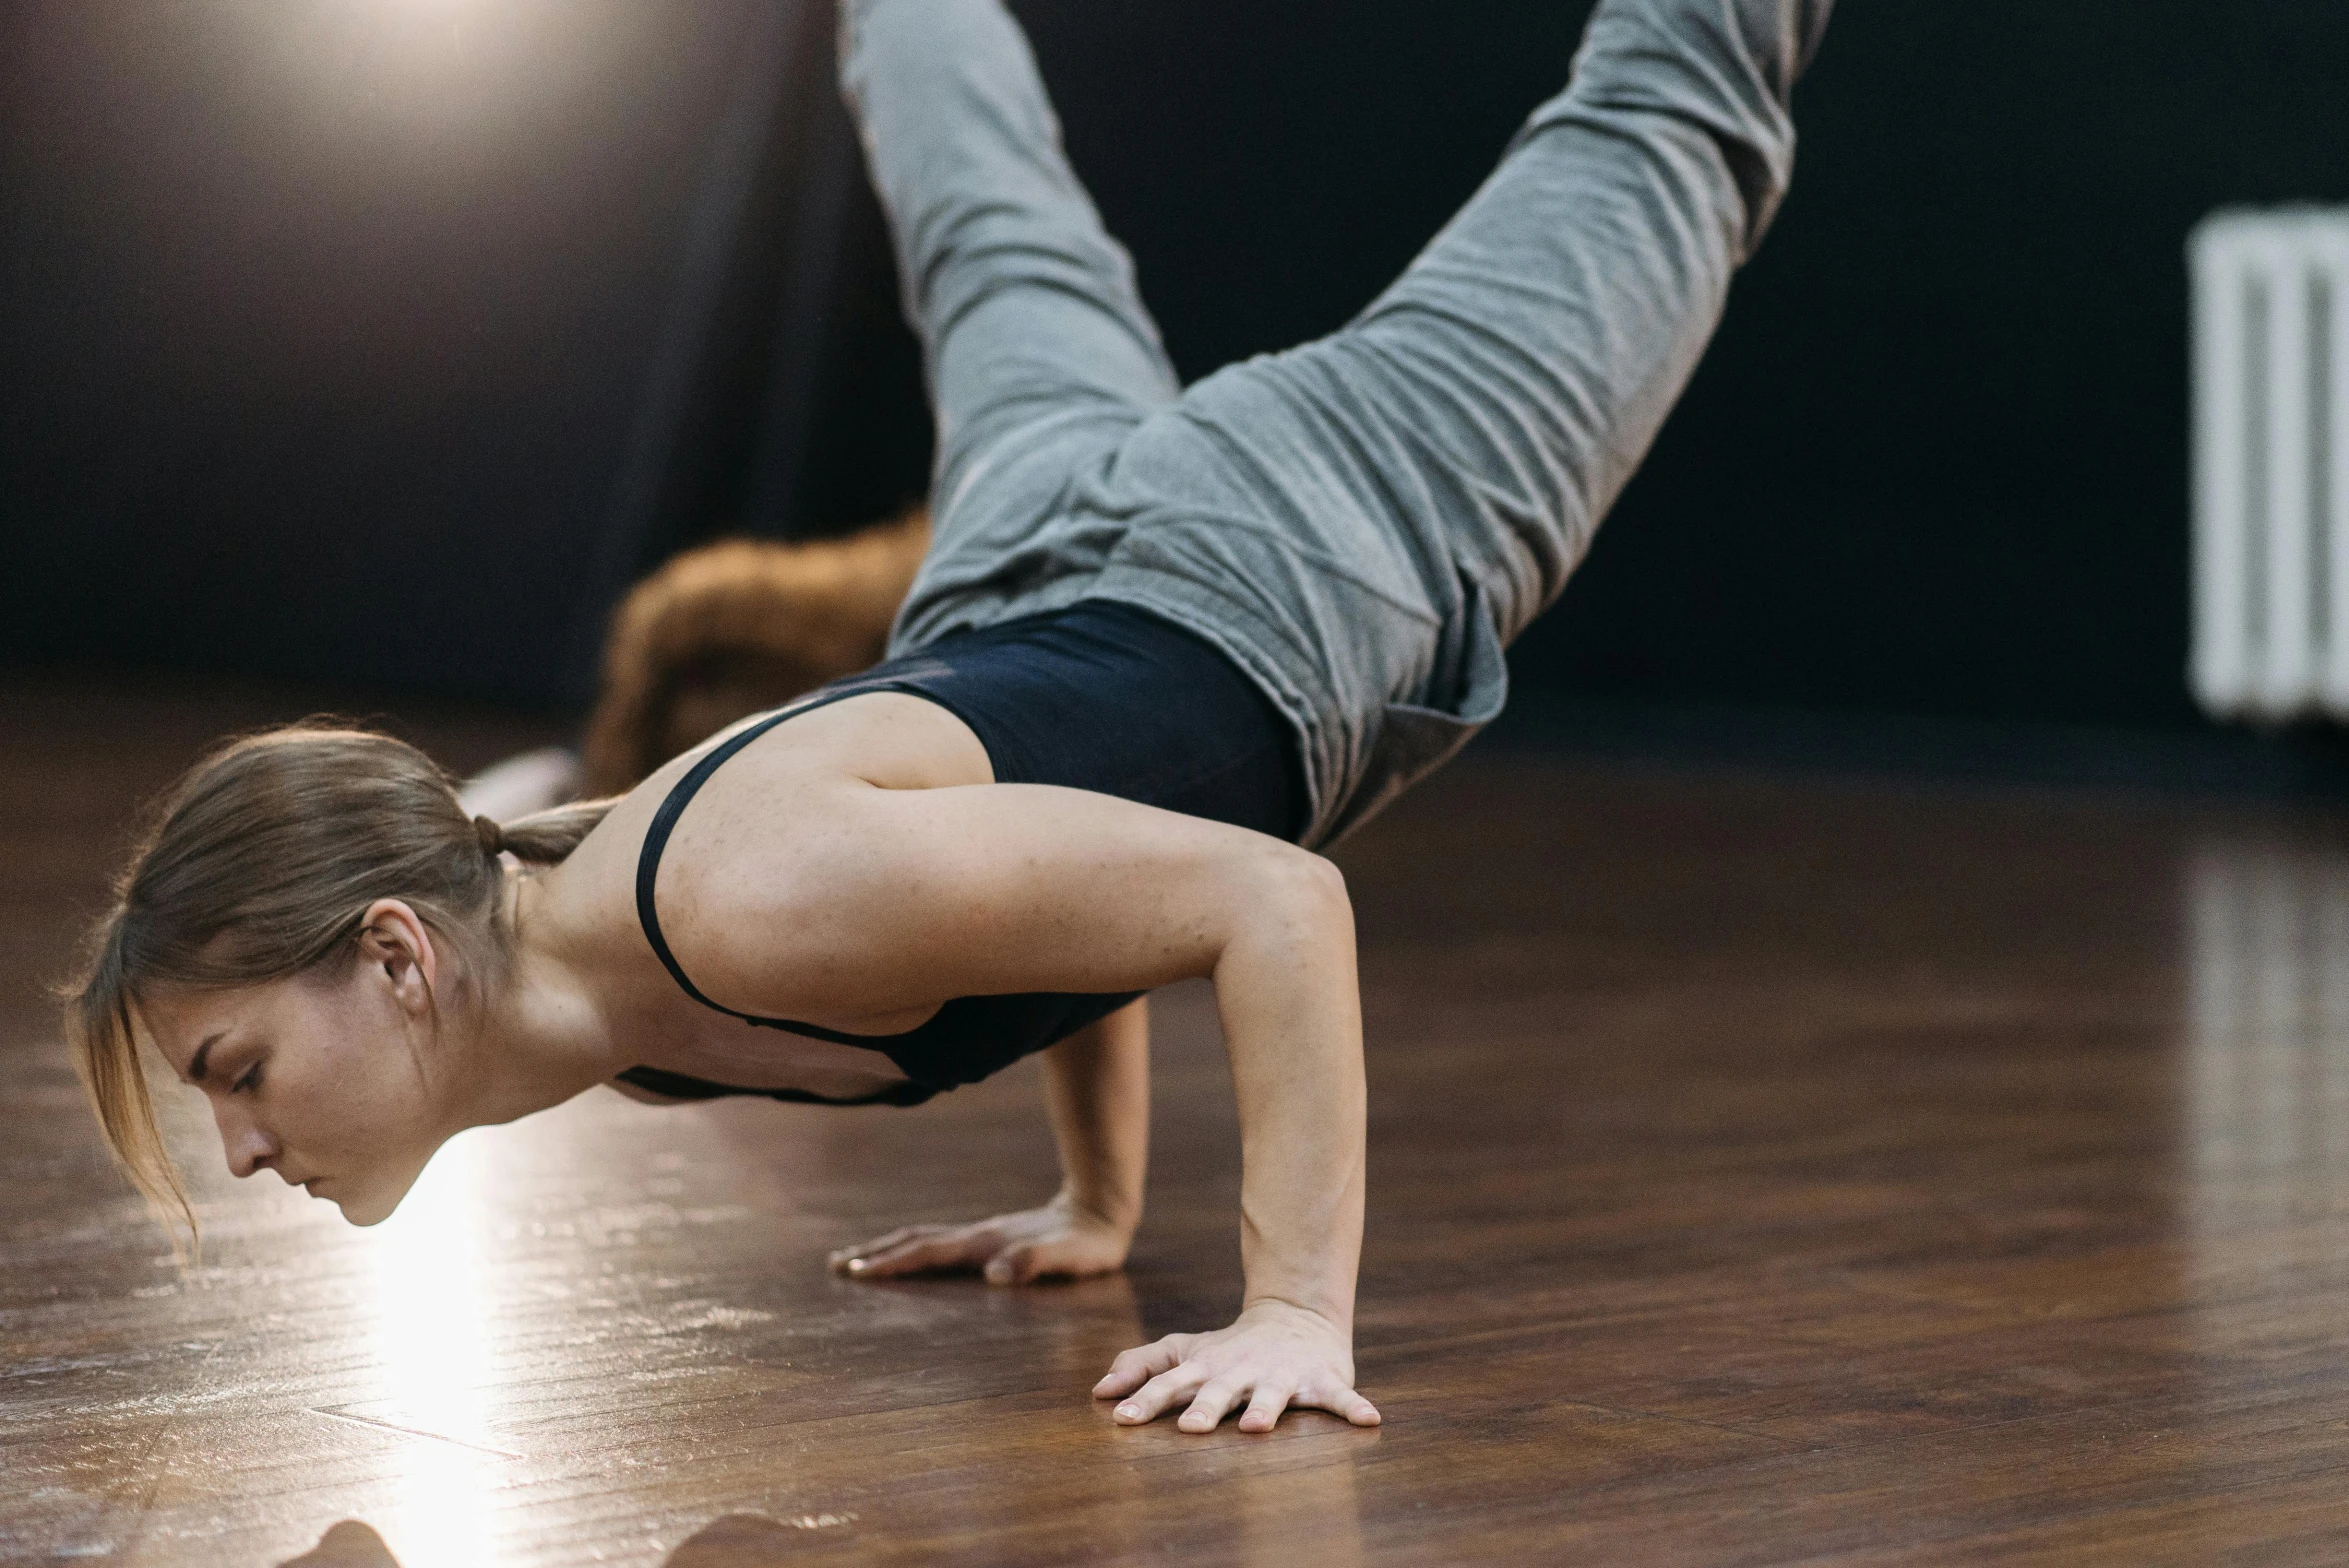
(1165, 644)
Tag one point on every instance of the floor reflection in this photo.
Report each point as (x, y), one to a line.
(1289, 1519)
(436, 1368)
(349, 1544)
(733, 1541)
(740, 1540)
(2267, 1083)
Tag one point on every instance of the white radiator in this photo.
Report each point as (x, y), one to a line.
(2271, 462)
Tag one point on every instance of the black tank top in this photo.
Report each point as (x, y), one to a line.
(1100, 696)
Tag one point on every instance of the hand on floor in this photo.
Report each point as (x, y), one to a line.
(1061, 1240)
(1274, 1357)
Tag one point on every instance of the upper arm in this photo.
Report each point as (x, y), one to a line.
(897, 898)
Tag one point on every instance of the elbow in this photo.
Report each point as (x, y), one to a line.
(1305, 893)
(1325, 884)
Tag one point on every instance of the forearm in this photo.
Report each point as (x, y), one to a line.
(1289, 996)
(1097, 1091)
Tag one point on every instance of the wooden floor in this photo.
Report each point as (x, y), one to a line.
(1763, 1171)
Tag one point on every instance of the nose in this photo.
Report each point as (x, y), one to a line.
(248, 1146)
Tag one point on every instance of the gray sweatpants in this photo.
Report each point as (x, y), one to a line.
(1362, 523)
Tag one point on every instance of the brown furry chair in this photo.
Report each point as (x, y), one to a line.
(738, 626)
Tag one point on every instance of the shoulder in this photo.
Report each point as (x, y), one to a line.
(771, 911)
(883, 740)
(786, 791)
(756, 871)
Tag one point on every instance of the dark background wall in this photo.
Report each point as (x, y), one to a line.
(385, 341)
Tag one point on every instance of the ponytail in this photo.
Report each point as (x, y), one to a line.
(546, 838)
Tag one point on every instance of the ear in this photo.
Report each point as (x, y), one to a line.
(393, 937)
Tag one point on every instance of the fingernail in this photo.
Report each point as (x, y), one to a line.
(1129, 1410)
(856, 1265)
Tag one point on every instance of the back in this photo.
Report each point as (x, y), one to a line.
(1101, 697)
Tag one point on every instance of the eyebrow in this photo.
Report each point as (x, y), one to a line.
(197, 1063)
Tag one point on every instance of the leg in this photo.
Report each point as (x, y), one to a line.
(1371, 515)
(1038, 348)
(1542, 338)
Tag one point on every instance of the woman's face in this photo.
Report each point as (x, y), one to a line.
(329, 1078)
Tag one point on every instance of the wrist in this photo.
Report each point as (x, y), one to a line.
(1331, 1315)
(1112, 1211)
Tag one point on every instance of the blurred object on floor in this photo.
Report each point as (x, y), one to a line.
(737, 627)
(523, 783)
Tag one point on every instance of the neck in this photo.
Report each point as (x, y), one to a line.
(547, 1035)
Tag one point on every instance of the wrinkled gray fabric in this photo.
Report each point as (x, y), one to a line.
(1364, 522)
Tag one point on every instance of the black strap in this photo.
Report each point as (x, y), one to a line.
(656, 840)
(678, 1086)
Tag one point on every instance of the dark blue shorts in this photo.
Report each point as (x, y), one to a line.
(1108, 697)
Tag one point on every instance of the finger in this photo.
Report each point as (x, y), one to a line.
(1027, 1261)
(1208, 1407)
(1017, 1265)
(927, 1255)
(1264, 1410)
(1133, 1368)
(1160, 1394)
(841, 1258)
(895, 1238)
(1338, 1400)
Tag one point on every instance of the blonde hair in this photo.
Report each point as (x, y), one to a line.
(259, 865)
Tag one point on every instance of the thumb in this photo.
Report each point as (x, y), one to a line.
(1058, 1257)
(1015, 1265)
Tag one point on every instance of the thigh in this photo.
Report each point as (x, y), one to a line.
(1009, 538)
